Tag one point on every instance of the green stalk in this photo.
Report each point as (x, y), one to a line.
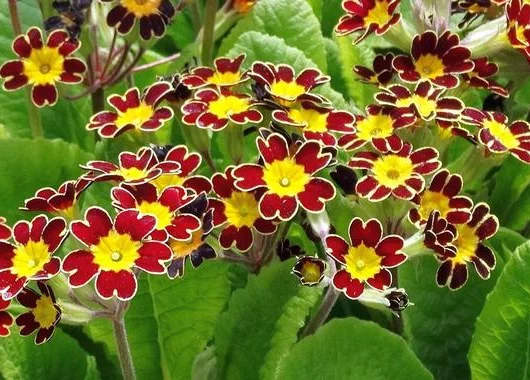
(210, 12)
(124, 350)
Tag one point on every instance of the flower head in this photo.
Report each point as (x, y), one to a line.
(227, 73)
(43, 314)
(381, 73)
(31, 255)
(71, 16)
(365, 258)
(316, 122)
(42, 65)
(113, 250)
(288, 179)
(436, 59)
(152, 15)
(237, 213)
(518, 20)
(6, 319)
(474, 9)
(368, 16)
(310, 270)
(284, 86)
(480, 77)
(498, 136)
(133, 112)
(397, 171)
(213, 109)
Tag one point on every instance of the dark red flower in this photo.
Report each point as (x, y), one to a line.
(480, 77)
(518, 20)
(227, 73)
(310, 270)
(381, 73)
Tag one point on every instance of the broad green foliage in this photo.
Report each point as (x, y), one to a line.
(61, 358)
(501, 345)
(440, 329)
(352, 349)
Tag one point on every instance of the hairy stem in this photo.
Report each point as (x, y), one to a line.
(323, 311)
(124, 351)
(208, 32)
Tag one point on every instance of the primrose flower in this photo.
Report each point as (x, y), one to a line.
(189, 163)
(474, 9)
(377, 127)
(237, 213)
(133, 112)
(133, 169)
(179, 91)
(196, 248)
(43, 315)
(500, 137)
(397, 171)
(61, 202)
(442, 196)
(31, 256)
(368, 16)
(381, 73)
(152, 15)
(5, 230)
(310, 270)
(317, 122)
(469, 248)
(113, 250)
(42, 65)
(227, 73)
(284, 86)
(216, 109)
(518, 20)
(365, 259)
(287, 177)
(436, 59)
(6, 319)
(480, 77)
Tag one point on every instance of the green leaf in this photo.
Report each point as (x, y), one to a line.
(262, 47)
(352, 349)
(441, 323)
(171, 321)
(60, 358)
(316, 5)
(330, 16)
(501, 345)
(293, 21)
(27, 165)
(244, 332)
(505, 242)
(335, 67)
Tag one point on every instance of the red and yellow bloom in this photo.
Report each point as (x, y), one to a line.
(365, 259)
(397, 171)
(43, 65)
(227, 73)
(237, 213)
(518, 21)
(133, 112)
(284, 86)
(43, 315)
(6, 319)
(30, 256)
(114, 249)
(216, 109)
(368, 16)
(381, 73)
(310, 270)
(498, 136)
(436, 59)
(152, 15)
(288, 178)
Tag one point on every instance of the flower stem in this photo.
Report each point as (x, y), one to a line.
(98, 100)
(33, 113)
(124, 351)
(323, 311)
(210, 11)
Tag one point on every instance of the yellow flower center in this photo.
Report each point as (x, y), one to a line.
(378, 15)
(167, 180)
(184, 248)
(163, 214)
(362, 262)
(116, 252)
(131, 174)
(44, 312)
(375, 126)
(30, 258)
(502, 133)
(241, 209)
(432, 200)
(285, 177)
(43, 66)
(141, 8)
(312, 120)
(224, 79)
(430, 66)
(288, 90)
(466, 242)
(135, 116)
(425, 106)
(392, 170)
(228, 105)
(311, 272)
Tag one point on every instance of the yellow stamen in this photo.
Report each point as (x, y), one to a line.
(116, 252)
(379, 14)
(241, 209)
(362, 262)
(185, 248)
(375, 126)
(44, 312)
(162, 213)
(285, 177)
(392, 170)
(135, 116)
(467, 243)
(501, 133)
(311, 120)
(141, 8)
(226, 106)
(430, 201)
(30, 259)
(425, 106)
(44, 66)
(430, 66)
